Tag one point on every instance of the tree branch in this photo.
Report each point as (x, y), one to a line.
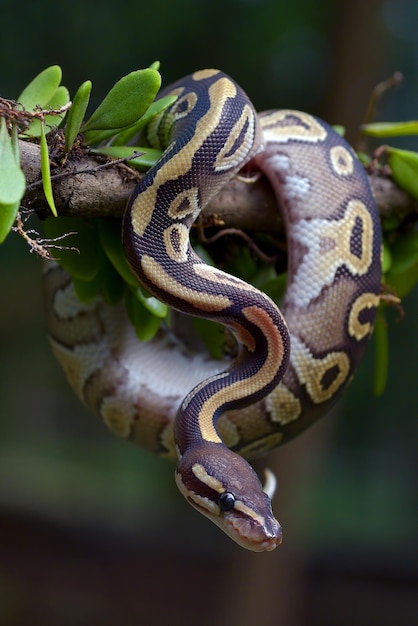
(83, 187)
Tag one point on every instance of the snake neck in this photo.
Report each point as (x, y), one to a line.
(264, 350)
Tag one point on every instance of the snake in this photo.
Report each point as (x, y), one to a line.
(168, 395)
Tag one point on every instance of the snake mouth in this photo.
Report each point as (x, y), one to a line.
(257, 536)
(254, 536)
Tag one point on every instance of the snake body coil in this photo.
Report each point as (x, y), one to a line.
(285, 376)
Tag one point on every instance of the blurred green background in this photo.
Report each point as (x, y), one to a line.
(92, 530)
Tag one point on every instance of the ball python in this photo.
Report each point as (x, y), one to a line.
(209, 415)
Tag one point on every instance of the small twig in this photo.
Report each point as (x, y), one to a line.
(393, 301)
(14, 113)
(376, 165)
(40, 113)
(238, 233)
(377, 93)
(40, 245)
(88, 170)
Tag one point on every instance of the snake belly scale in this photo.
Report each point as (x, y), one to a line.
(213, 415)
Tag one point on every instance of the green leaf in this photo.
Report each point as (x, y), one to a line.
(213, 336)
(364, 158)
(8, 214)
(12, 179)
(390, 223)
(126, 102)
(145, 323)
(157, 107)
(76, 113)
(96, 137)
(106, 283)
(41, 89)
(203, 254)
(241, 262)
(405, 252)
(381, 354)
(15, 143)
(404, 167)
(153, 305)
(110, 238)
(155, 65)
(339, 129)
(386, 258)
(275, 287)
(60, 98)
(122, 136)
(403, 273)
(148, 156)
(390, 129)
(113, 287)
(87, 290)
(46, 173)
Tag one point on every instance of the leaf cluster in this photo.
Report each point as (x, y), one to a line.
(400, 237)
(93, 253)
(400, 260)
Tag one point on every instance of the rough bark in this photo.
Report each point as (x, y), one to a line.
(84, 187)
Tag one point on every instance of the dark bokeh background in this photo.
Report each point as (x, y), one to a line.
(92, 530)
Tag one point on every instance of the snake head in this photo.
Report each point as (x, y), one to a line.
(223, 486)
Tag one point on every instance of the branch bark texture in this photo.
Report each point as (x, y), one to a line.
(84, 188)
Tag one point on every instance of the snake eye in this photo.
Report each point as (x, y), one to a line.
(226, 501)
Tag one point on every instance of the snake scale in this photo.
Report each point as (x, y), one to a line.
(212, 415)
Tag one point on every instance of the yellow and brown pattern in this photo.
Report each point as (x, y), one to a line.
(175, 402)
